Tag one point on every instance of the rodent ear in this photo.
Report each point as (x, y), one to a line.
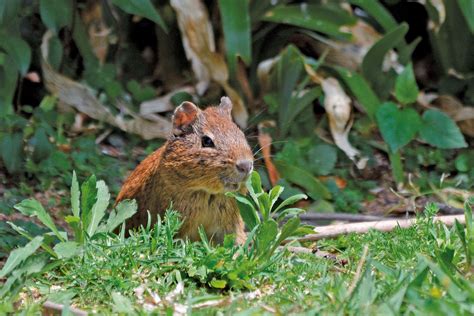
(184, 116)
(226, 105)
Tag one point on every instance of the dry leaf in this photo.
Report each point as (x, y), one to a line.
(263, 72)
(75, 95)
(97, 29)
(265, 142)
(338, 108)
(462, 115)
(163, 103)
(199, 45)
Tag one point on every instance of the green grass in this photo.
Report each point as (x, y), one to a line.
(424, 269)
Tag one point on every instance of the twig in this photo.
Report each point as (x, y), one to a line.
(341, 217)
(332, 231)
(360, 265)
(50, 306)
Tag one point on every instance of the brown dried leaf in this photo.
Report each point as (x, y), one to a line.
(97, 29)
(265, 142)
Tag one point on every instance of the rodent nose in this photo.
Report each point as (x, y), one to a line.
(244, 166)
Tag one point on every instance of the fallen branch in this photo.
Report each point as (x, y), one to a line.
(342, 217)
(332, 231)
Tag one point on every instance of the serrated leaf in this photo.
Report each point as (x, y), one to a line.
(98, 210)
(142, 8)
(439, 130)
(266, 236)
(398, 126)
(124, 210)
(88, 199)
(67, 249)
(75, 196)
(406, 89)
(56, 14)
(17, 256)
(32, 207)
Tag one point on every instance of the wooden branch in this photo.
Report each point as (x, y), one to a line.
(312, 216)
(332, 231)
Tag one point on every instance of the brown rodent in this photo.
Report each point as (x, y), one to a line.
(206, 156)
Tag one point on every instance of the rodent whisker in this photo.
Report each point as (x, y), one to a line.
(275, 142)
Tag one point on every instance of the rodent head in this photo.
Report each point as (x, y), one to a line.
(207, 150)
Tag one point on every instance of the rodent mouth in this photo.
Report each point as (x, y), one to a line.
(232, 184)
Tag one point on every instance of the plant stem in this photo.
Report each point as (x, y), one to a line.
(397, 167)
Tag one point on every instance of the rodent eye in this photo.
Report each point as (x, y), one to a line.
(206, 141)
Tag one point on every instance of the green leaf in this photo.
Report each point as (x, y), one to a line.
(55, 53)
(17, 256)
(315, 189)
(122, 211)
(142, 8)
(12, 153)
(247, 210)
(321, 18)
(42, 148)
(88, 199)
(18, 50)
(67, 249)
(218, 284)
(467, 9)
(439, 130)
(98, 210)
(361, 90)
(8, 80)
(266, 236)
(373, 60)
(237, 31)
(122, 304)
(56, 14)
(398, 127)
(9, 10)
(289, 229)
(322, 159)
(406, 89)
(291, 200)
(48, 103)
(75, 196)
(32, 207)
(274, 194)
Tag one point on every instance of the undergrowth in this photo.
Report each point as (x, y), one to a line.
(424, 269)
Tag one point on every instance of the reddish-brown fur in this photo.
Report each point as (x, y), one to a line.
(191, 177)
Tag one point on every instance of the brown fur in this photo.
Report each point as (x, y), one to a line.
(192, 177)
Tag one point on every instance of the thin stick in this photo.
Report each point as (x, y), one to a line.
(342, 217)
(332, 231)
(358, 271)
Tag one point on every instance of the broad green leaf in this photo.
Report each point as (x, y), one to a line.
(361, 90)
(142, 8)
(75, 196)
(122, 211)
(322, 159)
(55, 53)
(12, 153)
(17, 256)
(32, 207)
(88, 199)
(237, 31)
(8, 80)
(467, 9)
(406, 89)
(291, 200)
(98, 210)
(321, 18)
(266, 236)
(247, 210)
(56, 14)
(289, 229)
(439, 130)
(67, 249)
(122, 304)
(218, 284)
(18, 50)
(48, 103)
(9, 10)
(315, 189)
(254, 186)
(275, 193)
(42, 148)
(264, 205)
(398, 126)
(373, 60)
